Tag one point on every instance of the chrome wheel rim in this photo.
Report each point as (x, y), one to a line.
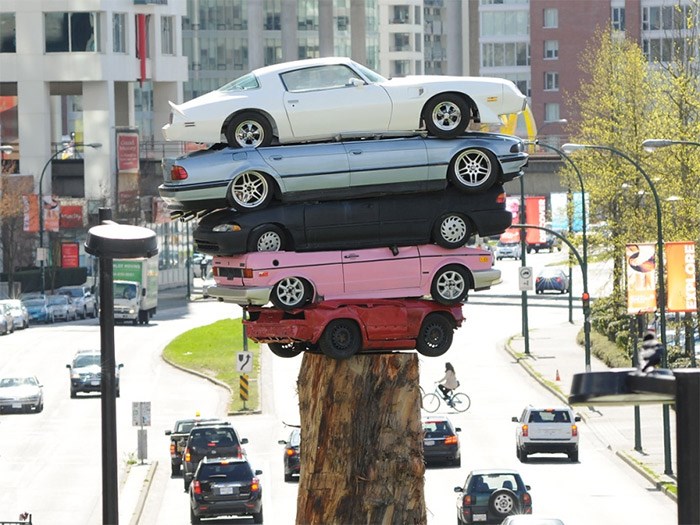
(290, 291)
(269, 242)
(249, 134)
(453, 229)
(446, 116)
(451, 285)
(473, 167)
(249, 189)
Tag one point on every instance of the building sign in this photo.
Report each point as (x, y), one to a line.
(127, 152)
(70, 255)
(680, 271)
(71, 216)
(640, 261)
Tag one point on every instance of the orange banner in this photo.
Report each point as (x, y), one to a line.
(680, 271)
(640, 260)
(52, 213)
(535, 214)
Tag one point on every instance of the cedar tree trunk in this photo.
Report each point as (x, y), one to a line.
(362, 441)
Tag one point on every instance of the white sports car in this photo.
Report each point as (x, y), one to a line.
(322, 98)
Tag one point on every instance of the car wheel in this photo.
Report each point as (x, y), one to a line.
(193, 517)
(174, 470)
(341, 339)
(503, 502)
(573, 456)
(250, 190)
(40, 407)
(268, 238)
(118, 393)
(450, 285)
(446, 115)
(286, 350)
(473, 170)
(258, 516)
(290, 293)
(435, 335)
(457, 462)
(249, 130)
(73, 394)
(288, 477)
(452, 231)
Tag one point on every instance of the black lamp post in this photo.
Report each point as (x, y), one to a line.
(41, 203)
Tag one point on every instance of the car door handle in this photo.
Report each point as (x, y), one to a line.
(351, 256)
(356, 152)
(276, 157)
(292, 101)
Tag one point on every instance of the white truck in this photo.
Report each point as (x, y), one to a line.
(546, 430)
(135, 289)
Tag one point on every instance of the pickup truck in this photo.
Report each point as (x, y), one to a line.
(178, 439)
(546, 430)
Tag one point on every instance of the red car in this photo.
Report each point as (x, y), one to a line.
(340, 329)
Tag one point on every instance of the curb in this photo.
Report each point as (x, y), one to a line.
(663, 487)
(143, 494)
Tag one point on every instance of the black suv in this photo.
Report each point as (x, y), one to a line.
(209, 440)
(224, 487)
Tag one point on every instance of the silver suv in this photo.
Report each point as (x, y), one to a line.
(547, 430)
(86, 372)
(511, 250)
(84, 300)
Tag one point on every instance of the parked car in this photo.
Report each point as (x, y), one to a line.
(291, 279)
(20, 315)
(22, 393)
(86, 373)
(340, 329)
(4, 326)
(317, 99)
(553, 279)
(6, 314)
(62, 307)
(441, 442)
(508, 250)
(447, 218)
(38, 309)
(178, 440)
(223, 486)
(489, 495)
(292, 454)
(550, 430)
(83, 299)
(252, 179)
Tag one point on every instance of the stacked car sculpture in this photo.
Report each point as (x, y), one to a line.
(346, 238)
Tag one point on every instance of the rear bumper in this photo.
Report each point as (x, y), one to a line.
(202, 508)
(550, 448)
(485, 279)
(254, 296)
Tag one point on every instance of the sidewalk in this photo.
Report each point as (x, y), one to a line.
(554, 358)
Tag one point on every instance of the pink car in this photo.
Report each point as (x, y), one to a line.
(292, 279)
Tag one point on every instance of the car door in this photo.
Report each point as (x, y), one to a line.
(342, 223)
(379, 269)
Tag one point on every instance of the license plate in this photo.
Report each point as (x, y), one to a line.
(94, 383)
(226, 490)
(16, 405)
(479, 517)
(429, 443)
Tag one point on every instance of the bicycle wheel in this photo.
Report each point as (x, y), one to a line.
(430, 402)
(461, 402)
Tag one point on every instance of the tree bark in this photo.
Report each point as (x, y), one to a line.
(362, 441)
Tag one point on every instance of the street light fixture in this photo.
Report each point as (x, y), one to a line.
(6, 149)
(652, 144)
(93, 145)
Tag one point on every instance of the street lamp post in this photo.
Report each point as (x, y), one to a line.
(569, 148)
(652, 144)
(94, 145)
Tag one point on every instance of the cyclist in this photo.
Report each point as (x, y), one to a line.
(449, 382)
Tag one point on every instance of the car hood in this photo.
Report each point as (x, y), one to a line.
(92, 369)
(19, 391)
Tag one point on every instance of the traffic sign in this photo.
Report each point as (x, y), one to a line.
(244, 362)
(525, 278)
(141, 413)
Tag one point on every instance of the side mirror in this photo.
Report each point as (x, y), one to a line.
(68, 367)
(356, 82)
(143, 292)
(458, 429)
(244, 441)
(458, 489)
(282, 442)
(120, 365)
(527, 487)
(577, 418)
(258, 472)
(168, 432)
(514, 419)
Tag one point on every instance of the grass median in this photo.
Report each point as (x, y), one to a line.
(211, 350)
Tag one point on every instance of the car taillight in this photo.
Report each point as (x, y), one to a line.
(451, 440)
(574, 430)
(247, 273)
(188, 457)
(197, 487)
(240, 452)
(178, 173)
(526, 499)
(525, 431)
(255, 485)
(501, 198)
(291, 452)
(215, 271)
(466, 500)
(173, 449)
(558, 279)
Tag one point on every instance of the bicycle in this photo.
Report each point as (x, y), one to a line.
(458, 401)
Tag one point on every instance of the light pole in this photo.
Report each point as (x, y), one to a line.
(569, 148)
(94, 145)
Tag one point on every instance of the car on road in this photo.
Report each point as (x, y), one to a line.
(38, 309)
(340, 329)
(550, 243)
(550, 430)
(4, 325)
(447, 218)
(292, 279)
(441, 442)
(8, 318)
(292, 454)
(247, 180)
(552, 279)
(508, 250)
(225, 486)
(86, 373)
(62, 307)
(21, 393)
(20, 315)
(320, 98)
(83, 299)
(178, 440)
(490, 495)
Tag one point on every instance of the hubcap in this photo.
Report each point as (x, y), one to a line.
(503, 504)
(249, 134)
(447, 116)
(290, 291)
(341, 338)
(453, 229)
(450, 285)
(249, 189)
(269, 242)
(473, 167)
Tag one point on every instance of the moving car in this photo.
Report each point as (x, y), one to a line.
(441, 442)
(4, 325)
(340, 329)
(551, 243)
(61, 307)
(251, 179)
(178, 439)
(225, 486)
(489, 495)
(83, 299)
(292, 454)
(508, 250)
(291, 279)
(546, 430)
(86, 373)
(8, 318)
(38, 309)
(553, 279)
(447, 218)
(20, 315)
(22, 393)
(317, 99)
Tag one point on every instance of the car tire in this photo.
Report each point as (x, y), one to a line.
(341, 339)
(288, 477)
(250, 190)
(174, 470)
(193, 517)
(452, 230)
(290, 293)
(473, 170)
(286, 350)
(446, 115)
(457, 462)
(435, 335)
(249, 130)
(39, 407)
(258, 516)
(573, 456)
(267, 238)
(450, 285)
(503, 502)
(73, 394)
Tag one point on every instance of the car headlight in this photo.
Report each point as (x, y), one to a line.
(222, 228)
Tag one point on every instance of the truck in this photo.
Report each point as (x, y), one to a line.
(135, 289)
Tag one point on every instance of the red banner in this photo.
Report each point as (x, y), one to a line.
(71, 217)
(536, 214)
(70, 255)
(128, 152)
(641, 278)
(680, 271)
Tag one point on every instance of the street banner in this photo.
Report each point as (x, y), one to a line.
(640, 261)
(536, 214)
(512, 234)
(52, 213)
(680, 271)
(70, 255)
(71, 216)
(127, 152)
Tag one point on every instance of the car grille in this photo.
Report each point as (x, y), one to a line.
(121, 309)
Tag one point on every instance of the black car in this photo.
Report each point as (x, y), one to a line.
(210, 441)
(86, 373)
(440, 441)
(448, 218)
(178, 440)
(225, 487)
(292, 454)
(489, 495)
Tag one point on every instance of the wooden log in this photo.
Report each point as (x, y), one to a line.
(362, 441)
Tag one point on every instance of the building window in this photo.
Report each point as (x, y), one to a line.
(505, 54)
(551, 18)
(505, 23)
(71, 32)
(343, 23)
(167, 35)
(551, 81)
(119, 33)
(666, 17)
(618, 18)
(551, 112)
(273, 15)
(401, 68)
(401, 14)
(7, 33)
(402, 42)
(551, 49)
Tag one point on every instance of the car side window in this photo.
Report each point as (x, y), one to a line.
(316, 78)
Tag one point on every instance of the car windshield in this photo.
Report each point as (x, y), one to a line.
(436, 428)
(549, 416)
(73, 292)
(86, 360)
(228, 471)
(16, 381)
(34, 302)
(213, 437)
(124, 290)
(369, 74)
(491, 482)
(58, 299)
(248, 81)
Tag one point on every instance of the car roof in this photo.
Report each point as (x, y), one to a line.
(548, 407)
(477, 472)
(295, 64)
(217, 459)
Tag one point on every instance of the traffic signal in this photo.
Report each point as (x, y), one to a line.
(586, 299)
